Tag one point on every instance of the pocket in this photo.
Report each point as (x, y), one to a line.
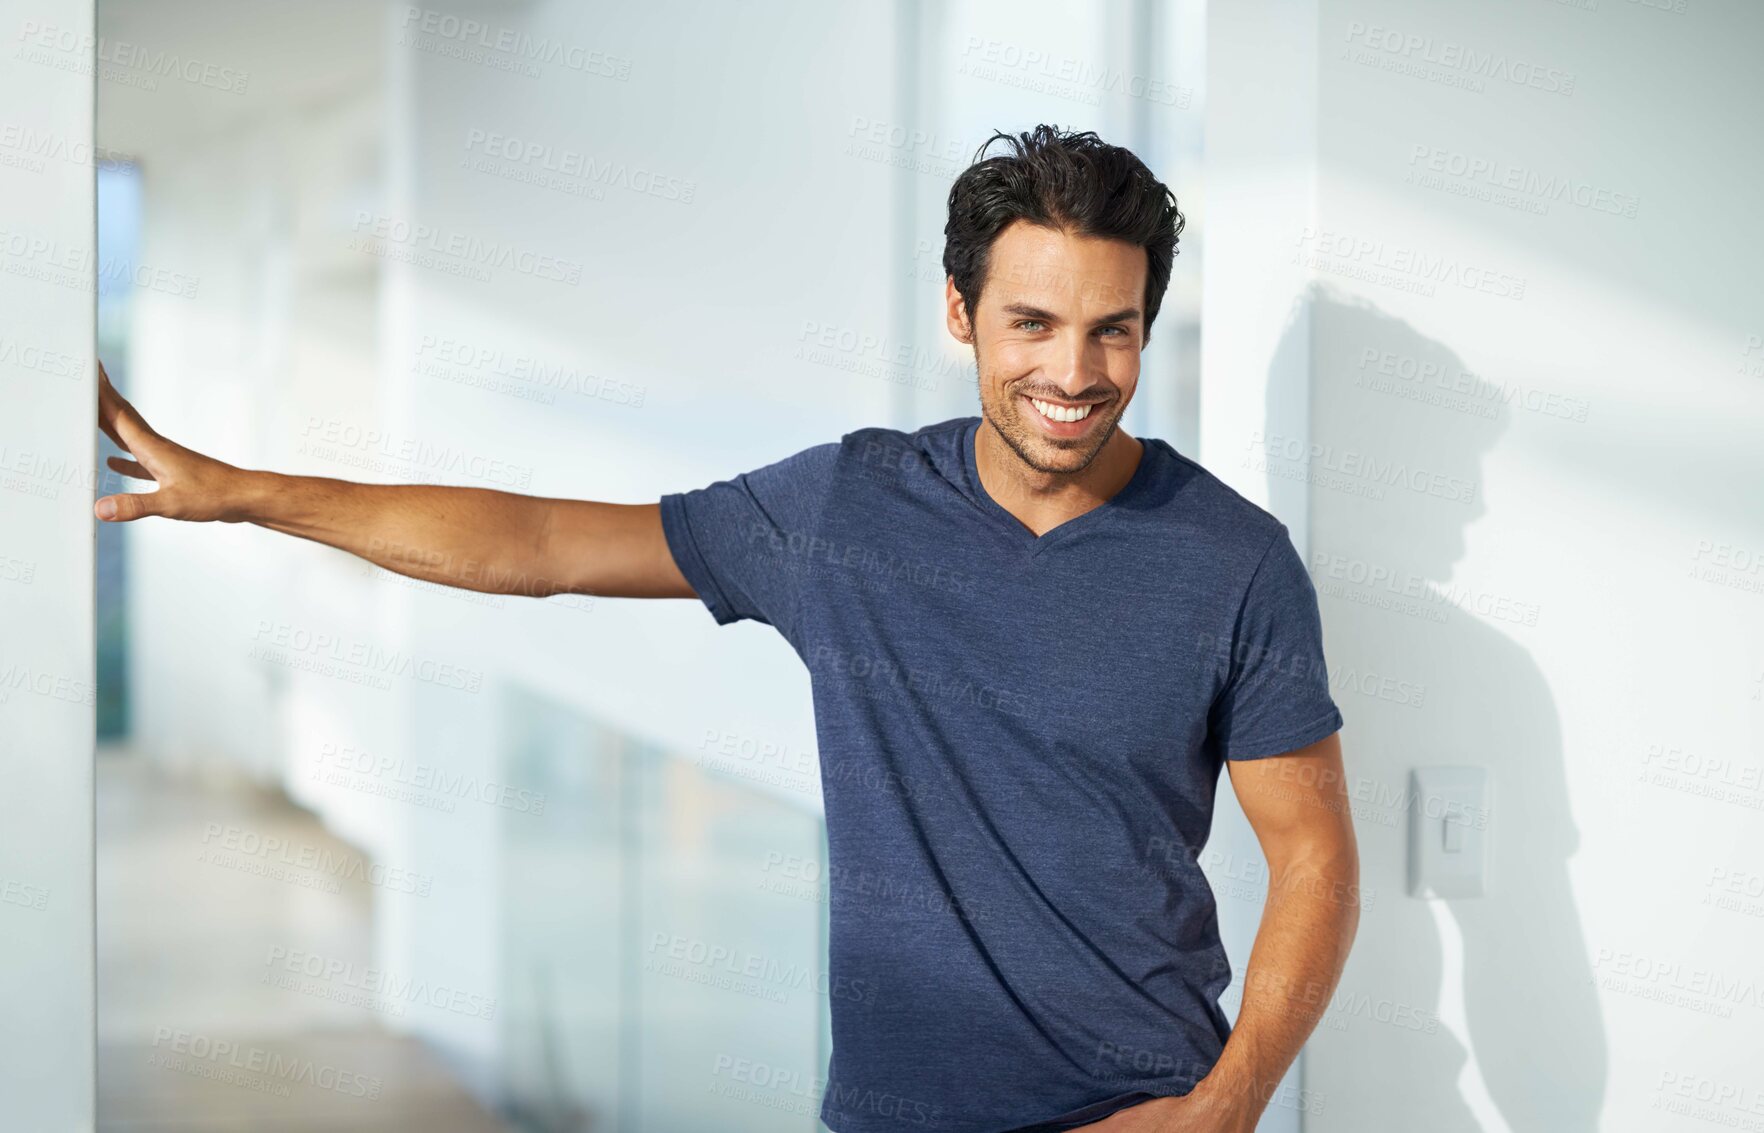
(1086, 1114)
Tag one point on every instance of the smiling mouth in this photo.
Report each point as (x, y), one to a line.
(1061, 414)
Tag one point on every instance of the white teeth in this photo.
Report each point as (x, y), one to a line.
(1060, 412)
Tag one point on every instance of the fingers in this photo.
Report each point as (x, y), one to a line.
(129, 467)
(126, 507)
(120, 421)
(107, 407)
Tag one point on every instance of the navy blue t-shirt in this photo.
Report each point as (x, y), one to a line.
(1020, 739)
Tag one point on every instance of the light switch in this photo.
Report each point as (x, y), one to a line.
(1455, 820)
(1449, 821)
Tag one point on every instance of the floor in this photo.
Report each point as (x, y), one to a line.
(194, 1030)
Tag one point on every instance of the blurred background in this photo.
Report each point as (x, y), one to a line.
(1469, 296)
(603, 251)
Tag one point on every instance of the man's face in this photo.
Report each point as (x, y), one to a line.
(1056, 338)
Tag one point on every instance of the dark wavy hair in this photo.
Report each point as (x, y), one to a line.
(1059, 179)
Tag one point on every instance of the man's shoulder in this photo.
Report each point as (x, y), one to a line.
(1200, 501)
(940, 433)
(881, 453)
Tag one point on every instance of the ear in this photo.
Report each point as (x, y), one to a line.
(955, 313)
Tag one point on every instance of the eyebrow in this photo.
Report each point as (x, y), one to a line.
(1124, 315)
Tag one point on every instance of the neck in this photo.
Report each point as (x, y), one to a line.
(1041, 500)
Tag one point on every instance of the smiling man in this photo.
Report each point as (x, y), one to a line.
(1034, 641)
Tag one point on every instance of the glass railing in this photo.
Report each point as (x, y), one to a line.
(661, 970)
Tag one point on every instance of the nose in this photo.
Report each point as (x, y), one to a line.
(1077, 369)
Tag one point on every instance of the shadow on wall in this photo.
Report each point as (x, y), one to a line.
(1430, 671)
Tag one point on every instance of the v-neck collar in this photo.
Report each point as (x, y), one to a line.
(1014, 529)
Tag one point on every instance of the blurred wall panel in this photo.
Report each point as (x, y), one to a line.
(48, 392)
(609, 253)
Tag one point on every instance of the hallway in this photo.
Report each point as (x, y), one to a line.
(207, 1020)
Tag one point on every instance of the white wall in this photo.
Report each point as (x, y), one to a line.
(1260, 142)
(1532, 423)
(48, 395)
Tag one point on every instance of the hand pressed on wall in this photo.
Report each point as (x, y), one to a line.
(191, 486)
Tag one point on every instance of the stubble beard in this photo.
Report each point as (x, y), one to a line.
(1003, 410)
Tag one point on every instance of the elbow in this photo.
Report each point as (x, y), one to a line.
(1325, 869)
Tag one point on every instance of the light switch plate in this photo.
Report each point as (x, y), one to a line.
(1449, 828)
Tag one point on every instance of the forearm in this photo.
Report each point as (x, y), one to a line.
(472, 538)
(1307, 927)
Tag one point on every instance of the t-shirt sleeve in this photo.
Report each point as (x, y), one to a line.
(739, 541)
(1276, 696)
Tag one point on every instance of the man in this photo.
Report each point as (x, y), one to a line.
(1034, 641)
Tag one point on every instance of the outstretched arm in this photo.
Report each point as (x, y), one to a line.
(472, 538)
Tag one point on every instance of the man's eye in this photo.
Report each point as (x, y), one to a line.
(1024, 324)
(1117, 330)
